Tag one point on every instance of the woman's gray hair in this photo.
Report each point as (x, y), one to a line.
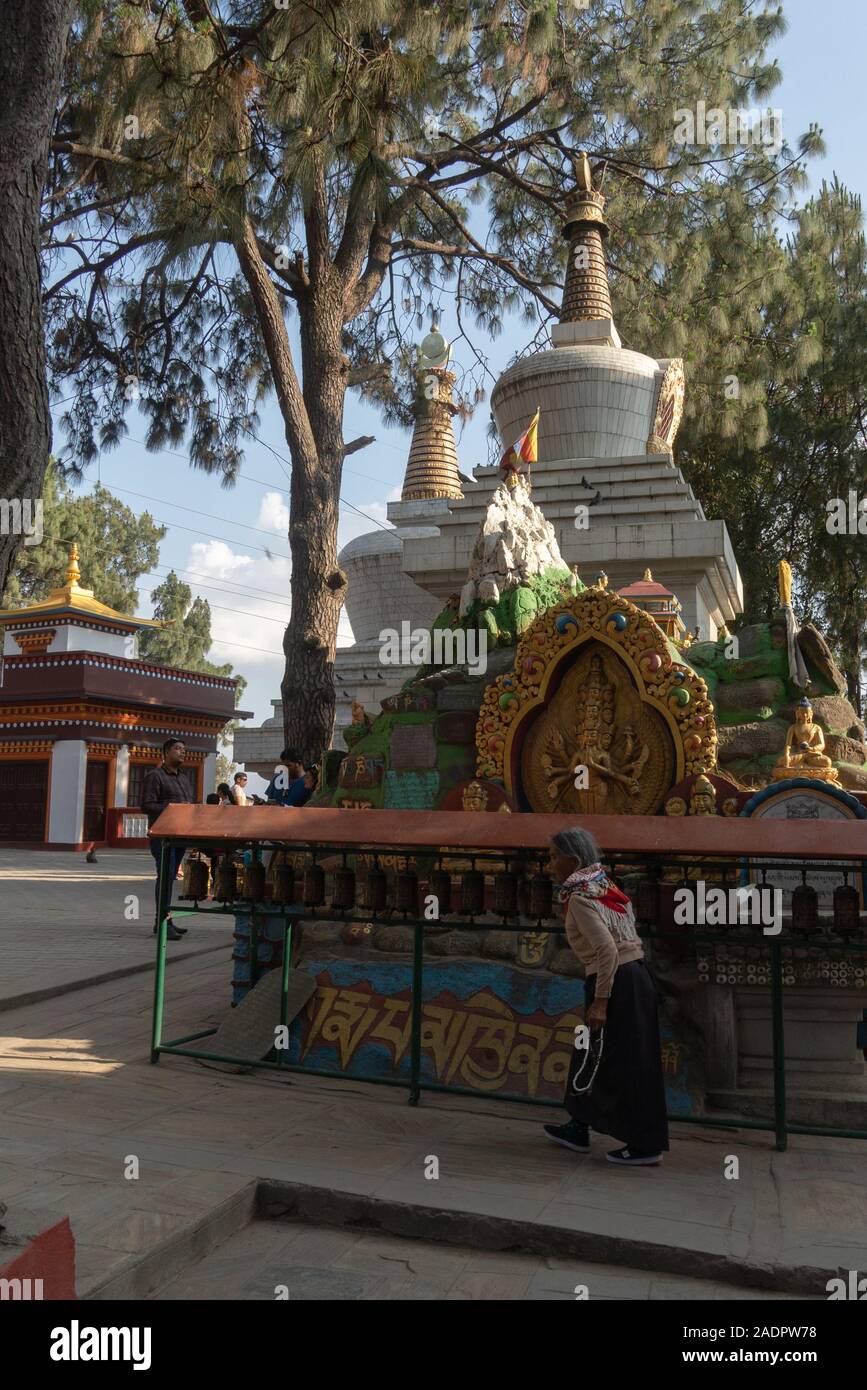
(577, 844)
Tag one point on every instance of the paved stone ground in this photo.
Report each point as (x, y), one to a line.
(307, 1263)
(79, 1097)
(62, 920)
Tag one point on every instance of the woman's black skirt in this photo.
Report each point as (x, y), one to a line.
(627, 1098)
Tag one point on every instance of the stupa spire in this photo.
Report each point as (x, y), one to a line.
(432, 465)
(73, 570)
(585, 314)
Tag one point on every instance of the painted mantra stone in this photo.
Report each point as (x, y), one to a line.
(457, 726)
(413, 748)
(409, 702)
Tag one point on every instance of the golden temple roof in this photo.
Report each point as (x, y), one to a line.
(432, 465)
(586, 294)
(71, 597)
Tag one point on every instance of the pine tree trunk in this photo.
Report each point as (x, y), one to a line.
(314, 433)
(318, 583)
(31, 59)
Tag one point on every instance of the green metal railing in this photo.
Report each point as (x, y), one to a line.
(415, 1082)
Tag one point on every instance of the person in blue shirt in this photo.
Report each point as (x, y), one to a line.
(288, 787)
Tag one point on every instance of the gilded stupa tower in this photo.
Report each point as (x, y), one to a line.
(585, 314)
(432, 466)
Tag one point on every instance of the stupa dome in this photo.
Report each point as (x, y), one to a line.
(596, 399)
(379, 594)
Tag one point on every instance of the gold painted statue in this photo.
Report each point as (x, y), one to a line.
(702, 801)
(474, 797)
(610, 783)
(804, 754)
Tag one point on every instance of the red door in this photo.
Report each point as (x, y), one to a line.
(23, 799)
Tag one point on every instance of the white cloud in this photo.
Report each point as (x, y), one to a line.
(274, 513)
(217, 559)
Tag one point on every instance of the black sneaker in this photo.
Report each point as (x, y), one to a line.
(633, 1158)
(572, 1136)
(173, 933)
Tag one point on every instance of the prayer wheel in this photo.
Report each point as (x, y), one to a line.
(343, 894)
(406, 891)
(541, 902)
(284, 885)
(847, 919)
(805, 909)
(314, 886)
(473, 893)
(440, 886)
(523, 895)
(197, 884)
(226, 886)
(376, 890)
(506, 893)
(254, 883)
(647, 900)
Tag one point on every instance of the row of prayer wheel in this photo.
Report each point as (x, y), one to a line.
(515, 892)
(804, 909)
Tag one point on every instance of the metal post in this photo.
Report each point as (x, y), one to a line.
(779, 1046)
(417, 981)
(254, 948)
(284, 982)
(160, 976)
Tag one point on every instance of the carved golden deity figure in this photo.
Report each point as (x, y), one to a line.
(702, 802)
(588, 763)
(804, 755)
(474, 797)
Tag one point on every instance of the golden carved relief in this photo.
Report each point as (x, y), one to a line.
(669, 409)
(663, 686)
(596, 749)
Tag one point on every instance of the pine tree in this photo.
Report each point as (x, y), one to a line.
(31, 60)
(777, 498)
(115, 547)
(341, 168)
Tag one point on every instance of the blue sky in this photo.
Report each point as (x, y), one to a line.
(217, 539)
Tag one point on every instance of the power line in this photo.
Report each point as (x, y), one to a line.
(219, 586)
(243, 612)
(179, 506)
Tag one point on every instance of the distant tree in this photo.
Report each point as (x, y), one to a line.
(186, 637)
(116, 547)
(775, 498)
(32, 48)
(218, 171)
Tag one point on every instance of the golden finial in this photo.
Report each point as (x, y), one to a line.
(583, 176)
(648, 576)
(73, 573)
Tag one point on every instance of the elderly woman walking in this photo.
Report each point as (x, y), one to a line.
(615, 1084)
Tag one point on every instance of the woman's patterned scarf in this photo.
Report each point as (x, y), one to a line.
(593, 882)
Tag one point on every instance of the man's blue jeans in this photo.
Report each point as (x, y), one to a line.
(174, 855)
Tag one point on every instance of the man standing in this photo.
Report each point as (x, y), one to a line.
(239, 790)
(287, 787)
(165, 786)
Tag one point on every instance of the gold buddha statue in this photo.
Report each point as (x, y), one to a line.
(702, 801)
(804, 754)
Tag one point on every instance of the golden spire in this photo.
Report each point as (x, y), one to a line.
(73, 572)
(432, 465)
(586, 295)
(648, 576)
